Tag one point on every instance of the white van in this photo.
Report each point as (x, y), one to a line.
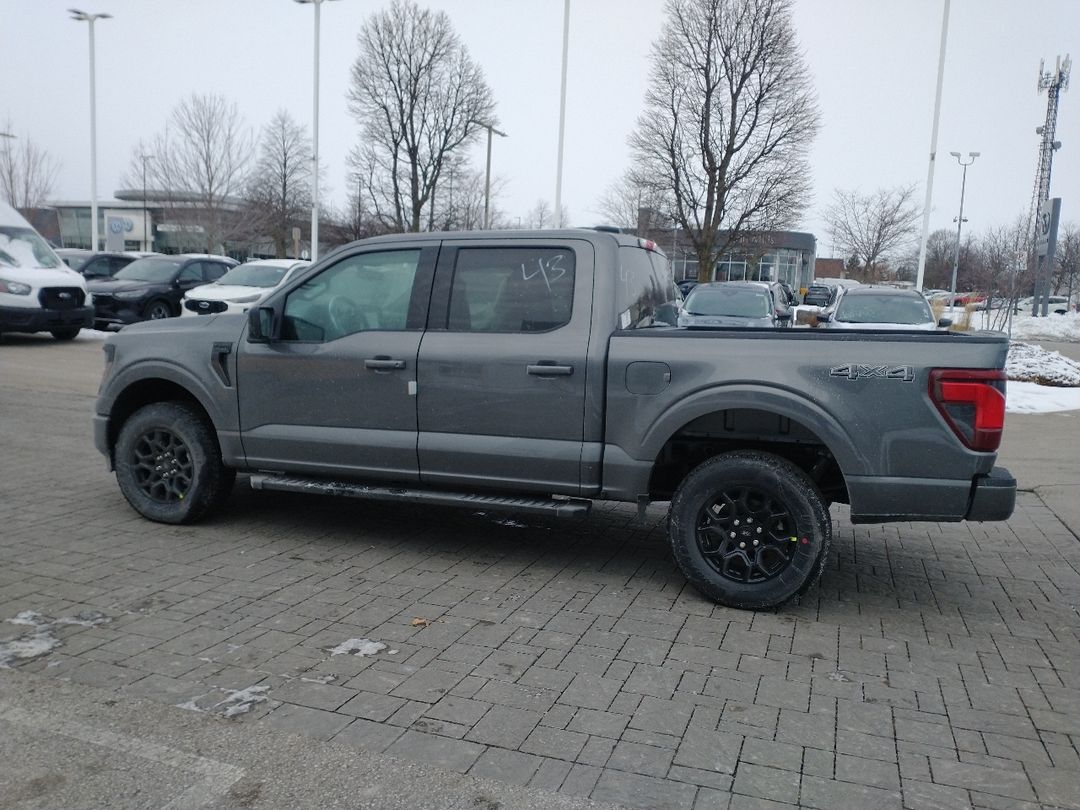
(38, 292)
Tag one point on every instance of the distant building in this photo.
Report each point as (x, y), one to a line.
(829, 268)
(787, 256)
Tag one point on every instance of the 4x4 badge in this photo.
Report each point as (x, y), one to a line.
(855, 371)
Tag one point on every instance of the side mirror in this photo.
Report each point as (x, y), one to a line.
(261, 324)
(944, 322)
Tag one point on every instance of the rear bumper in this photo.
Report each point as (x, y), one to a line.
(37, 319)
(993, 496)
(883, 499)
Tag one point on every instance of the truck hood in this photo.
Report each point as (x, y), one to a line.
(717, 321)
(109, 285)
(226, 326)
(38, 277)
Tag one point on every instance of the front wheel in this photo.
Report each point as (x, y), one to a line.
(158, 310)
(749, 530)
(68, 333)
(168, 464)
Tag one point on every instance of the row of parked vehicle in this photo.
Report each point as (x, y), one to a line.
(128, 287)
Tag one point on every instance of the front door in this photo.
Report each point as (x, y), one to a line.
(502, 372)
(335, 394)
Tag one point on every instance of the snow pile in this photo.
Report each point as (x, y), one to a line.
(1061, 328)
(1031, 363)
(235, 702)
(1026, 397)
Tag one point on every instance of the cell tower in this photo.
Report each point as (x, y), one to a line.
(1053, 82)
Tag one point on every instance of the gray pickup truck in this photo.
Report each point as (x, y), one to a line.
(539, 371)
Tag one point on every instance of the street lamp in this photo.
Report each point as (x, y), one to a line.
(82, 16)
(315, 139)
(959, 221)
(146, 231)
(487, 174)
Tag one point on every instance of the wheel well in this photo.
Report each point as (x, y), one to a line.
(746, 429)
(145, 392)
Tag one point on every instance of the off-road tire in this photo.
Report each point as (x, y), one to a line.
(67, 333)
(168, 464)
(788, 520)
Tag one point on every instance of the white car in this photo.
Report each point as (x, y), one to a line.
(870, 307)
(1056, 305)
(241, 287)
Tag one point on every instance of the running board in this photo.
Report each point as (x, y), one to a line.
(558, 507)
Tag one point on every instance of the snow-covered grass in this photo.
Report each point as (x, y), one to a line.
(1028, 362)
(1026, 397)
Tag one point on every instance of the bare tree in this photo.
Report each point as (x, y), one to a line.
(279, 190)
(730, 115)
(419, 98)
(542, 215)
(873, 227)
(1067, 260)
(27, 172)
(199, 168)
(623, 201)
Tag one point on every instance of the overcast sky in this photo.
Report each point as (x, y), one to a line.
(873, 62)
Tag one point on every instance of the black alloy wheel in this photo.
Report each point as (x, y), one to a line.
(749, 529)
(162, 466)
(158, 310)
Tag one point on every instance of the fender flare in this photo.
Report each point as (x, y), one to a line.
(144, 371)
(755, 396)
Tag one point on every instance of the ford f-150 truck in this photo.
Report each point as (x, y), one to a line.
(539, 371)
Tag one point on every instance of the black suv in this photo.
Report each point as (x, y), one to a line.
(152, 287)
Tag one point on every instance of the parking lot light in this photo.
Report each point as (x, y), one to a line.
(82, 16)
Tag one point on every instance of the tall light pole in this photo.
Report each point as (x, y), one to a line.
(146, 242)
(82, 16)
(315, 138)
(959, 221)
(562, 113)
(487, 174)
(933, 150)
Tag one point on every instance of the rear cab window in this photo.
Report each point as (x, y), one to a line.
(645, 291)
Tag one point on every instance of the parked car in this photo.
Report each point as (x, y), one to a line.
(105, 264)
(870, 307)
(732, 303)
(819, 295)
(38, 292)
(151, 288)
(240, 287)
(1056, 305)
(686, 285)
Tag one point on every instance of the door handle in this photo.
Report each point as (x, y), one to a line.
(549, 369)
(383, 363)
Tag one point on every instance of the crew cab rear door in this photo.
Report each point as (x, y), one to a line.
(333, 394)
(502, 369)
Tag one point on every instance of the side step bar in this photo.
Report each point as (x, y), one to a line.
(558, 507)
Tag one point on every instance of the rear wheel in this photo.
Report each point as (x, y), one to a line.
(749, 530)
(168, 464)
(68, 333)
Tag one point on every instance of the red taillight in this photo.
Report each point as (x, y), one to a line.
(973, 403)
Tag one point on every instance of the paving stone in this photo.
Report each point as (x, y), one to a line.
(766, 783)
(376, 737)
(828, 794)
(505, 726)
(314, 695)
(439, 752)
(927, 796)
(506, 766)
(604, 724)
(632, 790)
(458, 710)
(581, 780)
(555, 743)
(371, 706)
(591, 693)
(872, 772)
(1012, 784)
(321, 725)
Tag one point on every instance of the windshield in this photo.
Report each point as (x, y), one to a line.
(883, 309)
(22, 247)
(157, 270)
(730, 301)
(254, 275)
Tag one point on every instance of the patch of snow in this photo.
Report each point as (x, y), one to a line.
(1026, 397)
(85, 618)
(26, 648)
(240, 701)
(1028, 362)
(41, 640)
(358, 646)
(1061, 328)
(323, 679)
(30, 618)
(191, 705)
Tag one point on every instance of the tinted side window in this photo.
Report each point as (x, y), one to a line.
(512, 289)
(212, 271)
(191, 274)
(370, 291)
(117, 263)
(97, 268)
(645, 292)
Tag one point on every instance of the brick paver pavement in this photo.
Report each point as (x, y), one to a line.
(935, 666)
